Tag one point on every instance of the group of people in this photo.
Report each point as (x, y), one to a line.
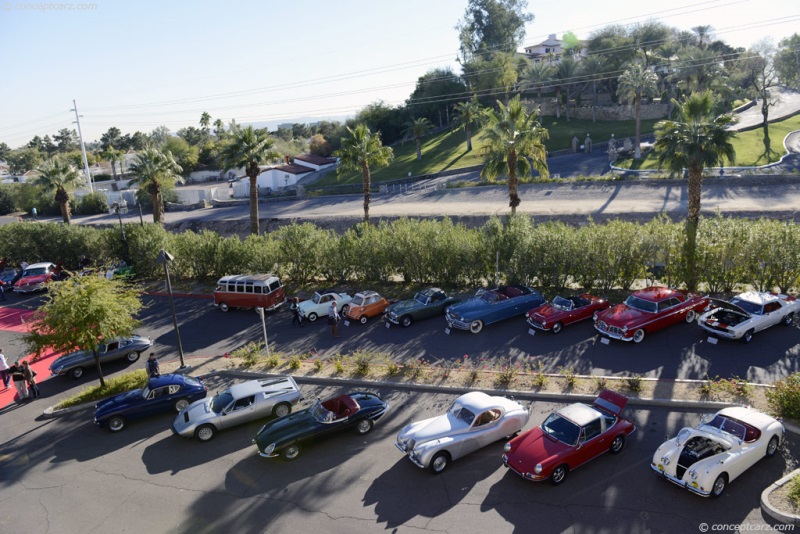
(22, 375)
(333, 316)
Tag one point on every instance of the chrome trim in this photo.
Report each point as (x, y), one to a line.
(265, 455)
(679, 482)
(536, 324)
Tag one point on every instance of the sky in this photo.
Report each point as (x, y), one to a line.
(139, 64)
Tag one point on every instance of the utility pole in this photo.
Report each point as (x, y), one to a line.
(83, 148)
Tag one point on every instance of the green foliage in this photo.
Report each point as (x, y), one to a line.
(6, 200)
(723, 388)
(569, 376)
(392, 369)
(600, 383)
(114, 386)
(363, 363)
(784, 399)
(295, 362)
(319, 363)
(92, 204)
(507, 372)
(794, 490)
(249, 353)
(634, 383)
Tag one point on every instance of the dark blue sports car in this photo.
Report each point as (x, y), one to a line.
(491, 306)
(167, 393)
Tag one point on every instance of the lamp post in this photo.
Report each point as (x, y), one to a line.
(260, 311)
(164, 258)
(122, 228)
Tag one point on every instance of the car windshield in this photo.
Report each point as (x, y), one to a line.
(221, 400)
(729, 426)
(422, 298)
(316, 298)
(35, 272)
(641, 304)
(746, 305)
(562, 304)
(488, 296)
(462, 413)
(320, 413)
(145, 392)
(359, 300)
(561, 429)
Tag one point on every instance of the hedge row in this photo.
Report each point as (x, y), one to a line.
(731, 252)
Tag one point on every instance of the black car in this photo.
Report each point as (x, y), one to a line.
(286, 435)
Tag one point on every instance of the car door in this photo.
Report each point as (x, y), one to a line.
(772, 315)
(594, 441)
(158, 401)
(240, 411)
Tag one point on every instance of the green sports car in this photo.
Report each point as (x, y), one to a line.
(426, 303)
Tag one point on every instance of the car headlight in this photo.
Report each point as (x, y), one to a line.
(665, 460)
(537, 469)
(693, 474)
(624, 329)
(544, 324)
(507, 447)
(269, 449)
(594, 316)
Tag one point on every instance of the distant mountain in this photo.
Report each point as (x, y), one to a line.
(273, 125)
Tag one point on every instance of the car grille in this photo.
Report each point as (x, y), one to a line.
(716, 327)
(535, 324)
(604, 327)
(456, 323)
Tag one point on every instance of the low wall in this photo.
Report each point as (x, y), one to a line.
(602, 113)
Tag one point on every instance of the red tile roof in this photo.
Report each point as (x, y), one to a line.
(293, 168)
(314, 159)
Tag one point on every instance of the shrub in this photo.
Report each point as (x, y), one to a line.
(506, 372)
(539, 377)
(794, 490)
(318, 363)
(600, 383)
(93, 204)
(118, 384)
(338, 363)
(569, 376)
(392, 369)
(249, 353)
(634, 383)
(784, 399)
(6, 201)
(273, 360)
(295, 362)
(363, 362)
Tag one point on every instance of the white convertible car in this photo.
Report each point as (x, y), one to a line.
(473, 421)
(748, 313)
(706, 459)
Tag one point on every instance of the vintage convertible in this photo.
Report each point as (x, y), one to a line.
(748, 313)
(473, 421)
(36, 277)
(75, 364)
(562, 311)
(318, 305)
(426, 303)
(704, 460)
(568, 438)
(285, 436)
(491, 306)
(648, 310)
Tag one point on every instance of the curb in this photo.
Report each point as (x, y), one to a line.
(770, 510)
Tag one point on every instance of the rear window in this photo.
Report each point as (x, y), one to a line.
(274, 286)
(191, 381)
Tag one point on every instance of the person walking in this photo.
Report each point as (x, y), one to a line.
(333, 319)
(4, 372)
(19, 381)
(30, 380)
(152, 366)
(294, 307)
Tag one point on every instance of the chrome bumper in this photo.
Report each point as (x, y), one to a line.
(612, 335)
(726, 334)
(537, 325)
(679, 482)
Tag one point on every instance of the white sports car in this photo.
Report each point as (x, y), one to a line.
(706, 459)
(748, 313)
(473, 421)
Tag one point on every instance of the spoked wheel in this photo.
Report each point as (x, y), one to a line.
(132, 356)
(76, 373)
(691, 316)
(181, 404)
(406, 321)
(559, 474)
(364, 426)
(719, 485)
(115, 424)
(281, 410)
(772, 447)
(556, 328)
(618, 444)
(440, 462)
(291, 452)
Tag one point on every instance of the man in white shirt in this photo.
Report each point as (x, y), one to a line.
(4, 369)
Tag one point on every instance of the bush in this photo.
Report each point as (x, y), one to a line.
(634, 383)
(92, 204)
(794, 490)
(114, 386)
(784, 399)
(6, 201)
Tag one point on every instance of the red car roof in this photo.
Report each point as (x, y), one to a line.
(656, 294)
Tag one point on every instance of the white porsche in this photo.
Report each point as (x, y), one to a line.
(748, 313)
(473, 421)
(706, 459)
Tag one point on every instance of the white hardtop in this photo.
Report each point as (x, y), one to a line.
(40, 265)
(758, 297)
(365, 294)
(263, 385)
(579, 413)
(478, 402)
(750, 416)
(233, 278)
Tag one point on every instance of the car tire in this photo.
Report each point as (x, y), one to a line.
(364, 426)
(439, 462)
(116, 423)
(559, 474)
(617, 445)
(788, 320)
(223, 307)
(747, 337)
(639, 335)
(363, 319)
(772, 447)
(406, 321)
(719, 486)
(312, 317)
(181, 404)
(556, 328)
(132, 356)
(691, 316)
(476, 326)
(205, 433)
(282, 409)
(291, 452)
(76, 372)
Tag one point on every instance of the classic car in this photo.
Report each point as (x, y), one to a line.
(563, 311)
(76, 363)
(166, 393)
(491, 306)
(748, 313)
(318, 305)
(426, 303)
(704, 460)
(285, 436)
(236, 405)
(648, 310)
(8, 275)
(364, 305)
(35, 277)
(473, 421)
(569, 438)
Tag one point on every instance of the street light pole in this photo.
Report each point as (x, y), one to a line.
(260, 311)
(165, 257)
(83, 148)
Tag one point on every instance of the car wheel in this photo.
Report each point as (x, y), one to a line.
(291, 452)
(205, 432)
(223, 307)
(132, 356)
(76, 373)
(476, 326)
(618, 444)
(181, 404)
(691, 316)
(556, 328)
(312, 317)
(440, 462)
(559, 474)
(748, 336)
(788, 320)
(406, 321)
(364, 426)
(344, 309)
(281, 410)
(363, 319)
(719, 485)
(772, 447)
(638, 336)
(116, 423)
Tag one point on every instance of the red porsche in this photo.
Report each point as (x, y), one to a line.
(563, 311)
(569, 438)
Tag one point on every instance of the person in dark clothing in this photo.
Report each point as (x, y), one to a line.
(333, 319)
(294, 307)
(19, 381)
(30, 379)
(152, 366)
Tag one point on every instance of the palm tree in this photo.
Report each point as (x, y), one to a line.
(695, 140)
(360, 152)
(417, 129)
(219, 128)
(467, 113)
(637, 82)
(60, 176)
(248, 148)
(205, 121)
(153, 170)
(565, 77)
(538, 75)
(112, 155)
(593, 68)
(515, 145)
(703, 34)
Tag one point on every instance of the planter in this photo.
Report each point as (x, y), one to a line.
(775, 508)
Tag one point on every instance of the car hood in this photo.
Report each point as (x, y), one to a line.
(29, 280)
(307, 305)
(70, 359)
(122, 398)
(535, 447)
(716, 304)
(435, 428)
(286, 429)
(546, 312)
(196, 411)
(404, 306)
(622, 315)
(467, 306)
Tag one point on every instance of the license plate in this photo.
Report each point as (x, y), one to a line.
(447, 331)
(388, 324)
(713, 340)
(605, 340)
(347, 323)
(531, 331)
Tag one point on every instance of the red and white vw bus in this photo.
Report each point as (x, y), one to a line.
(249, 291)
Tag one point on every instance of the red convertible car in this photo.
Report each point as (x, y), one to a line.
(569, 438)
(562, 311)
(648, 310)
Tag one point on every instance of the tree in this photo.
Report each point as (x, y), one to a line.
(66, 140)
(60, 176)
(112, 155)
(649, 36)
(515, 145)
(565, 78)
(153, 171)
(158, 137)
(249, 148)
(113, 137)
(137, 141)
(756, 71)
(787, 61)
(82, 312)
(537, 78)
(492, 26)
(5, 150)
(637, 82)
(319, 146)
(417, 129)
(186, 155)
(23, 160)
(467, 114)
(695, 140)
(697, 69)
(381, 117)
(591, 69)
(435, 93)
(219, 129)
(361, 152)
(193, 136)
(703, 34)
(205, 122)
